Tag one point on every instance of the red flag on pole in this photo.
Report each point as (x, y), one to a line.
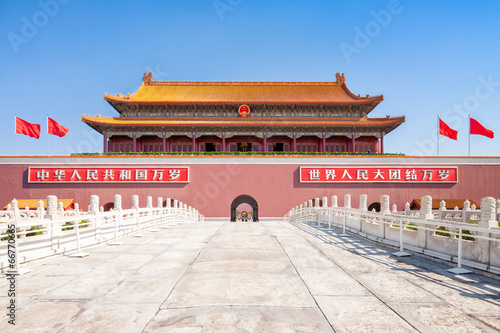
(445, 130)
(23, 127)
(477, 128)
(55, 128)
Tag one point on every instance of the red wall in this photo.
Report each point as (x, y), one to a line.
(276, 187)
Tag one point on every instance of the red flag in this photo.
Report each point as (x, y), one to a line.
(446, 130)
(23, 127)
(477, 128)
(55, 128)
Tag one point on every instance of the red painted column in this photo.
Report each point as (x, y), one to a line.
(134, 144)
(165, 143)
(105, 143)
(294, 148)
(264, 143)
(194, 142)
(110, 145)
(353, 144)
(382, 143)
(223, 142)
(324, 143)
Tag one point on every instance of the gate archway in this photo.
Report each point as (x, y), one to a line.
(245, 199)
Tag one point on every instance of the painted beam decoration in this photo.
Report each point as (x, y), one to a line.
(371, 174)
(115, 174)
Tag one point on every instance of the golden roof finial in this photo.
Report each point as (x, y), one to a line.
(340, 78)
(147, 78)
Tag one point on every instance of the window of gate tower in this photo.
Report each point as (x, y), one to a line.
(278, 146)
(244, 146)
(210, 146)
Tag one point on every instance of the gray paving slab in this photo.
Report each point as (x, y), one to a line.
(239, 319)
(250, 277)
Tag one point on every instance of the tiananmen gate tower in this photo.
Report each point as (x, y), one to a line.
(170, 116)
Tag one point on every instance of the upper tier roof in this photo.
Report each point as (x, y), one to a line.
(167, 92)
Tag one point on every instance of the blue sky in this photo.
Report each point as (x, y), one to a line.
(426, 57)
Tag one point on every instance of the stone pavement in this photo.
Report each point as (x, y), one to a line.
(249, 277)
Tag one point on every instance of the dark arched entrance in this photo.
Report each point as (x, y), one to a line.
(245, 199)
(375, 205)
(107, 207)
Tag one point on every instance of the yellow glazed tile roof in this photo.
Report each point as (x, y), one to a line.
(242, 92)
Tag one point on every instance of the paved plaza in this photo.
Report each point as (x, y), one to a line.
(249, 277)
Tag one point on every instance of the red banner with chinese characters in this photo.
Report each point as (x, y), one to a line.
(126, 174)
(396, 174)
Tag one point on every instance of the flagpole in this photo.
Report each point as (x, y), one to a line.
(15, 132)
(469, 134)
(438, 135)
(47, 134)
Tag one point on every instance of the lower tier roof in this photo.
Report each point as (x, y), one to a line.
(109, 124)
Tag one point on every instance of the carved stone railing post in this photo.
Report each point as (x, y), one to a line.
(52, 207)
(117, 203)
(55, 228)
(487, 221)
(16, 215)
(60, 209)
(41, 215)
(159, 202)
(488, 213)
(94, 204)
(41, 210)
(135, 201)
(442, 210)
(347, 201)
(149, 201)
(363, 202)
(384, 210)
(498, 209)
(425, 213)
(324, 202)
(465, 211)
(407, 209)
(384, 205)
(334, 201)
(426, 208)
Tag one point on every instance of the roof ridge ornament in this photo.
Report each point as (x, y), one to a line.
(147, 78)
(340, 79)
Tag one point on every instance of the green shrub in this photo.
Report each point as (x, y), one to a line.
(466, 232)
(411, 228)
(235, 153)
(445, 234)
(68, 228)
(8, 232)
(34, 233)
